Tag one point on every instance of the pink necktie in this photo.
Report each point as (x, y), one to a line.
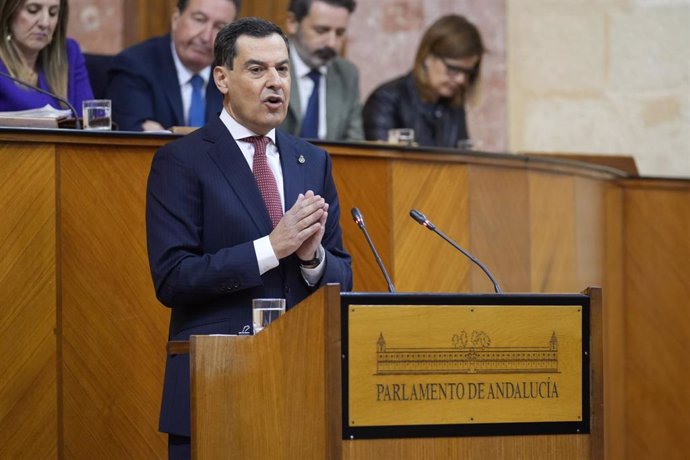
(265, 179)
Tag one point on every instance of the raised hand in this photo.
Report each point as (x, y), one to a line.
(301, 225)
(308, 249)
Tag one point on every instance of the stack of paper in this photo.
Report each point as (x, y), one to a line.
(48, 111)
(44, 117)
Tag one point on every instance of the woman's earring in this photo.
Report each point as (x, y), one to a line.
(425, 63)
(8, 37)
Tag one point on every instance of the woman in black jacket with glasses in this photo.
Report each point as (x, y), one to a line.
(431, 98)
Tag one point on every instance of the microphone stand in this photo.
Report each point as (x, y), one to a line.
(422, 220)
(359, 220)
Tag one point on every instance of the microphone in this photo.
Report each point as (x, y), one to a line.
(47, 93)
(359, 220)
(422, 220)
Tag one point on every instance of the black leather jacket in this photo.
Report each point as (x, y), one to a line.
(396, 104)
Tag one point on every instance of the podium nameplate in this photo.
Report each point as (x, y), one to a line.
(474, 365)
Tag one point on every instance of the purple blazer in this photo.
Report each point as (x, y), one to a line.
(15, 97)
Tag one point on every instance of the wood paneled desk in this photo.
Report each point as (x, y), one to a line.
(82, 337)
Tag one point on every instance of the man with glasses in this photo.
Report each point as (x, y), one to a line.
(431, 98)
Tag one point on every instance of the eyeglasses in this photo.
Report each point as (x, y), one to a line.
(454, 71)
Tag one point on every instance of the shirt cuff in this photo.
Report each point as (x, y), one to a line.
(265, 257)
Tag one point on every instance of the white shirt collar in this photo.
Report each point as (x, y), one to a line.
(183, 73)
(237, 131)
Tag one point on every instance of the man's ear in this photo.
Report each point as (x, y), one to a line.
(291, 24)
(173, 20)
(220, 77)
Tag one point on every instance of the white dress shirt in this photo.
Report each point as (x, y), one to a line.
(306, 86)
(265, 256)
(184, 76)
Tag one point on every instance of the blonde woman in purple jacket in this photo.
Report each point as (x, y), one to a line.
(35, 50)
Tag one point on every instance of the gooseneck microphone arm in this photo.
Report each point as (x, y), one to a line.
(422, 220)
(47, 93)
(359, 220)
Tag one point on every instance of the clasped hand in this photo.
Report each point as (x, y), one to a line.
(301, 228)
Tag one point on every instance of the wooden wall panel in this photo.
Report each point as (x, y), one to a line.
(275, 11)
(365, 183)
(112, 334)
(499, 227)
(589, 209)
(657, 318)
(423, 261)
(114, 330)
(614, 326)
(146, 19)
(552, 242)
(28, 308)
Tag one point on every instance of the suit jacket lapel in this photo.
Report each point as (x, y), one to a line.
(293, 170)
(227, 156)
(334, 98)
(169, 81)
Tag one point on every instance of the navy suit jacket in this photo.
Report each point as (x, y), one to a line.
(203, 212)
(143, 85)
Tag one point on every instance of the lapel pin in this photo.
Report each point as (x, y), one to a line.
(301, 160)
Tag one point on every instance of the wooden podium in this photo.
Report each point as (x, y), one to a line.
(285, 393)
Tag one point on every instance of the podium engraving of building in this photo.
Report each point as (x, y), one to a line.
(477, 357)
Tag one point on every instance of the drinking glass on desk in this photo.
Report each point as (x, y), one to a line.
(97, 114)
(265, 311)
(402, 136)
(468, 144)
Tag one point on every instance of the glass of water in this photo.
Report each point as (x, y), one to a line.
(402, 136)
(265, 311)
(97, 114)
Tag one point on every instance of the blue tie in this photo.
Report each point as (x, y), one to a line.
(310, 123)
(197, 111)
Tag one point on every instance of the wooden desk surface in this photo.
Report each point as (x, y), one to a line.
(83, 337)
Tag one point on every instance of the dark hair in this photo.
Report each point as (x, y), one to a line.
(452, 37)
(300, 8)
(225, 47)
(182, 4)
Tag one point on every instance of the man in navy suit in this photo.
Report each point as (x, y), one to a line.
(152, 84)
(216, 238)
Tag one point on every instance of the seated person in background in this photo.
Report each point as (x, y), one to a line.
(430, 99)
(317, 32)
(166, 81)
(35, 50)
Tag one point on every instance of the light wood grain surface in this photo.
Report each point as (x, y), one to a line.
(82, 337)
(29, 408)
